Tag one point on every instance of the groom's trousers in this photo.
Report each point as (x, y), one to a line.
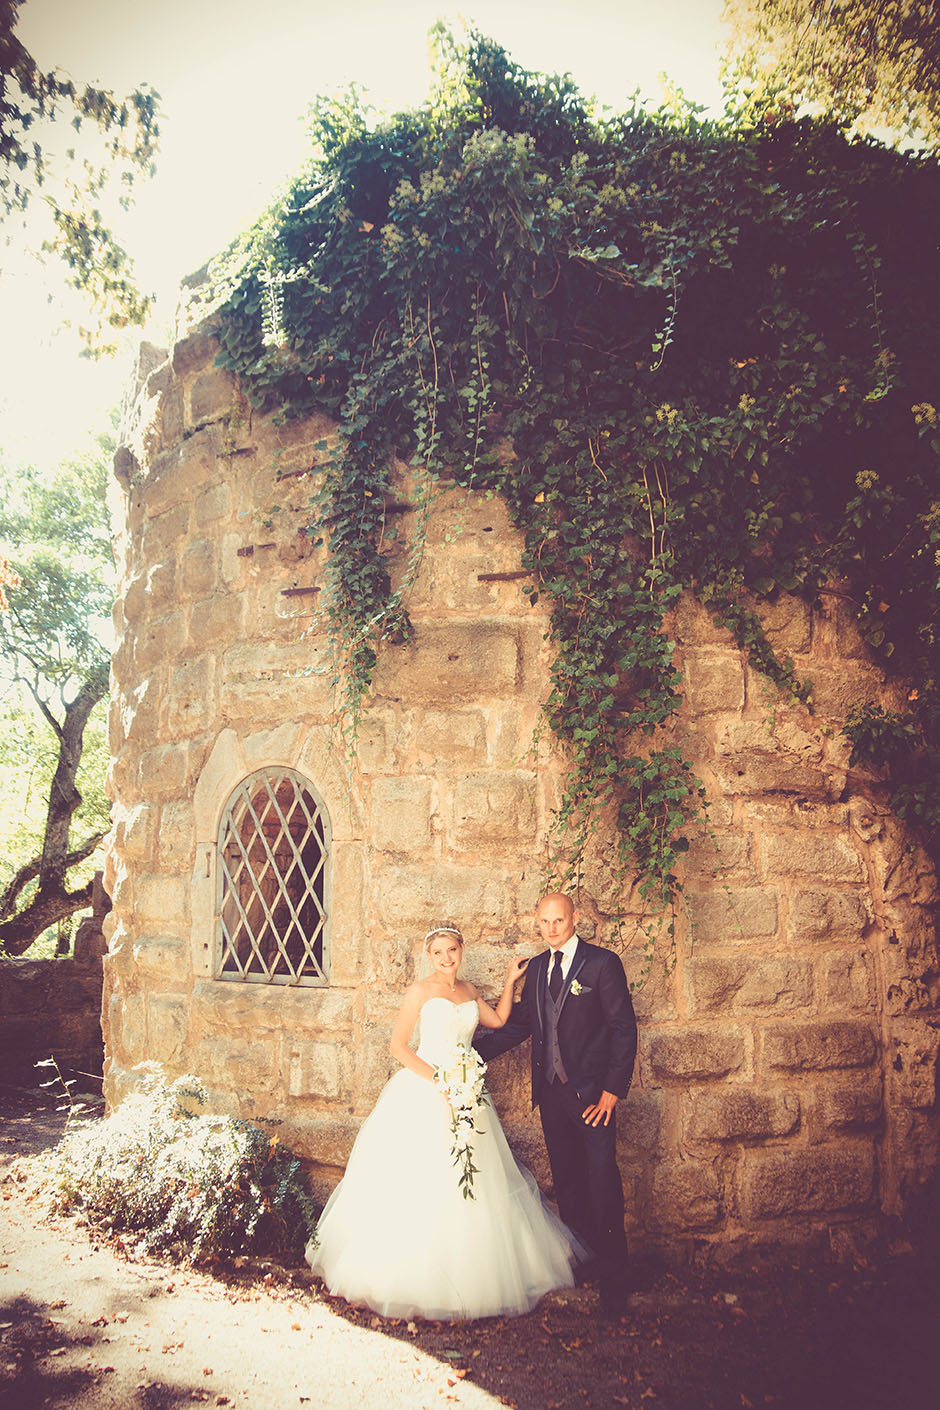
(587, 1180)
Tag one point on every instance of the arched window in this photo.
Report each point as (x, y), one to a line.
(273, 882)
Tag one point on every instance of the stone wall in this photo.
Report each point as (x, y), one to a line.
(49, 1008)
(786, 1090)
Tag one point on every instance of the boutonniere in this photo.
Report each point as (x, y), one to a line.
(577, 988)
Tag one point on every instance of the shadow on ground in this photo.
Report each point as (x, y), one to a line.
(787, 1337)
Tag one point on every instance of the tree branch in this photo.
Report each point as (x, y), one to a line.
(30, 870)
(46, 907)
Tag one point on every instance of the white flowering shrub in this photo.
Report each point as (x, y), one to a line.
(201, 1187)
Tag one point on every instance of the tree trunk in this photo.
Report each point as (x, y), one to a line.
(53, 901)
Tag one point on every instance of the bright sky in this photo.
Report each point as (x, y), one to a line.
(235, 78)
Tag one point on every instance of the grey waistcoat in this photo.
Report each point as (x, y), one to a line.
(554, 1067)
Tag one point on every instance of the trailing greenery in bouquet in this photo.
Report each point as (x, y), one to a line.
(465, 1089)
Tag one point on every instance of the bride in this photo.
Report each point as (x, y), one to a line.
(401, 1232)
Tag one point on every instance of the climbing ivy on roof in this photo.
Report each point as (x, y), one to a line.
(687, 354)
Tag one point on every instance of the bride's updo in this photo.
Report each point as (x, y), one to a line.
(446, 927)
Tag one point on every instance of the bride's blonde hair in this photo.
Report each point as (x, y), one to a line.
(446, 928)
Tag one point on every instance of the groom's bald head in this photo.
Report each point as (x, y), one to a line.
(556, 918)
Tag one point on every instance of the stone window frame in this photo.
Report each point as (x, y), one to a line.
(310, 749)
(279, 915)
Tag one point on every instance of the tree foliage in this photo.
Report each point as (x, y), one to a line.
(33, 106)
(874, 63)
(53, 655)
(688, 355)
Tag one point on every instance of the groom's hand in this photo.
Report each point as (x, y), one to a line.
(599, 1114)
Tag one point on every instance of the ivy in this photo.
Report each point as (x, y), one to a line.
(687, 354)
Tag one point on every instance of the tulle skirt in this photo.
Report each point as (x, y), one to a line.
(398, 1235)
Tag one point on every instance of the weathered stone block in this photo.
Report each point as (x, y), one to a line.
(193, 352)
(401, 813)
(157, 642)
(693, 623)
(216, 621)
(640, 1125)
(787, 623)
(137, 830)
(127, 1025)
(914, 1065)
(266, 1009)
(738, 1114)
(836, 690)
(176, 833)
(163, 533)
(848, 979)
(213, 504)
(492, 810)
(723, 854)
(190, 706)
(714, 680)
(732, 915)
(318, 1070)
(448, 737)
(807, 853)
(818, 1046)
(752, 760)
(163, 771)
(166, 1028)
(198, 568)
(274, 680)
(850, 1107)
(451, 662)
(745, 982)
(704, 1053)
(821, 1180)
(162, 898)
(211, 396)
(410, 898)
(276, 745)
(163, 958)
(686, 1196)
(824, 914)
(161, 583)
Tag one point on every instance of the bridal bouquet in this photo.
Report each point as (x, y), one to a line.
(463, 1086)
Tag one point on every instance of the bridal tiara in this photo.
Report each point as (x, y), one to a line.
(442, 929)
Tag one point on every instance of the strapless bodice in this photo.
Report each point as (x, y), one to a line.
(442, 1025)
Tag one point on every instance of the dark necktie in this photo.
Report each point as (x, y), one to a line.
(554, 982)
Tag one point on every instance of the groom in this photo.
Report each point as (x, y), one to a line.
(576, 1008)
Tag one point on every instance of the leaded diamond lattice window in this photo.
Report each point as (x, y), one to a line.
(273, 882)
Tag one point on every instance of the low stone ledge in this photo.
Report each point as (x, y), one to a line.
(818, 1046)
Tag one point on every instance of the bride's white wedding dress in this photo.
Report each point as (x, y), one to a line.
(397, 1233)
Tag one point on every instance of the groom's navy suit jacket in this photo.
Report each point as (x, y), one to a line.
(596, 1024)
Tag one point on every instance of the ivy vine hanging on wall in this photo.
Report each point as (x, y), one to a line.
(710, 349)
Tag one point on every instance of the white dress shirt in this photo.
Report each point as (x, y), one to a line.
(567, 955)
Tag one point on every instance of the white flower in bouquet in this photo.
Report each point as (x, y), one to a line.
(463, 1085)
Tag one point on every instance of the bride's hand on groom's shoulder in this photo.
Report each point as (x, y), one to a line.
(516, 969)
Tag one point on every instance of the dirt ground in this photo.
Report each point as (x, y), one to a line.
(84, 1323)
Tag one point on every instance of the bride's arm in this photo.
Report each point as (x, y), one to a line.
(491, 1017)
(402, 1031)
